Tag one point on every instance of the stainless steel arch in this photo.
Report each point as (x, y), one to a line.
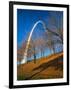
(29, 38)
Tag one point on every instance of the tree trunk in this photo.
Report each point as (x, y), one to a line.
(34, 56)
(53, 47)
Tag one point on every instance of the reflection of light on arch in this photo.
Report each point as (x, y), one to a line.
(29, 38)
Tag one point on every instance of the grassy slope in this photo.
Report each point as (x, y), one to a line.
(44, 68)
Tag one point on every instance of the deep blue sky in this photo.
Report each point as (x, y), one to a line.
(27, 18)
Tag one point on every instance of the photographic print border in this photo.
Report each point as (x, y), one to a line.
(11, 38)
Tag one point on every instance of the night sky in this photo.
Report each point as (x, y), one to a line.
(27, 18)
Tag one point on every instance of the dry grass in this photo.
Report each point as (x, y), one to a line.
(45, 68)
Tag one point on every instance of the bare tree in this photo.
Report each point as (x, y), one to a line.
(57, 23)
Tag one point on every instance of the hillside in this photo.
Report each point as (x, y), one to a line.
(45, 68)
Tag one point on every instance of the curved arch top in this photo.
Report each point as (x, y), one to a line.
(41, 22)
